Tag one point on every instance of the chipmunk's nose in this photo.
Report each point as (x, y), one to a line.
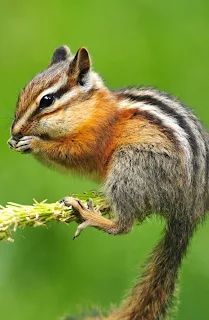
(17, 136)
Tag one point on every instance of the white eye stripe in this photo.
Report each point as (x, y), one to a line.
(169, 122)
(65, 98)
(22, 121)
(62, 100)
(52, 89)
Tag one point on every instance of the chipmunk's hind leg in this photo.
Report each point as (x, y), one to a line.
(90, 217)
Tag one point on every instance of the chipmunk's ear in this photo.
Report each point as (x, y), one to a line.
(60, 54)
(80, 66)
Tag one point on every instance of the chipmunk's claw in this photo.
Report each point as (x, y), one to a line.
(73, 203)
(76, 204)
(80, 228)
(24, 144)
(90, 207)
(81, 210)
(12, 143)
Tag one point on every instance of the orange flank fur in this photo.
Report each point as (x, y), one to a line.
(106, 130)
(90, 146)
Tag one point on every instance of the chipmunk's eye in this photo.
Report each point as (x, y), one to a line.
(46, 101)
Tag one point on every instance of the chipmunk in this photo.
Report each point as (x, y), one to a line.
(150, 152)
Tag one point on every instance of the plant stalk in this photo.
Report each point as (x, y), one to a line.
(14, 215)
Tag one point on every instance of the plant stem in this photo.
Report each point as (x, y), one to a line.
(15, 216)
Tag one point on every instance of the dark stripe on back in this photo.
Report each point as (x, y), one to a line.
(170, 112)
(205, 137)
(155, 120)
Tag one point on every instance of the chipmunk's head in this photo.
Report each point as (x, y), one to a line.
(50, 104)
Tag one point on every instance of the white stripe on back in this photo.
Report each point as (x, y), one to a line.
(168, 122)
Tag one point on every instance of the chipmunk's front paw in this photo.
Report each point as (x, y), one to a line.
(25, 144)
(85, 214)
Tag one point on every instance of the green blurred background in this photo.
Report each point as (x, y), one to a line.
(44, 274)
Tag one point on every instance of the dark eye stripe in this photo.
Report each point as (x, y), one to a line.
(60, 92)
(57, 95)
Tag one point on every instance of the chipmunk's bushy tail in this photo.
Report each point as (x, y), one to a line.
(153, 295)
(152, 298)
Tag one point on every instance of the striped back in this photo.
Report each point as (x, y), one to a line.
(186, 130)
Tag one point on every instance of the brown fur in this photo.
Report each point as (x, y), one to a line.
(146, 165)
(26, 99)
